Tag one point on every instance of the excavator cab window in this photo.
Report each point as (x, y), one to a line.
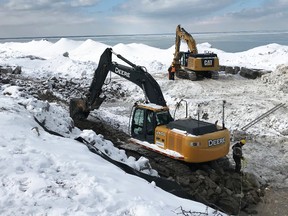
(163, 118)
(143, 125)
(138, 122)
(184, 58)
(150, 122)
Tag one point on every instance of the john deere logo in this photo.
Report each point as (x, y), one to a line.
(122, 73)
(216, 142)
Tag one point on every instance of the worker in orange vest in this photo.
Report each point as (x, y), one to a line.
(171, 71)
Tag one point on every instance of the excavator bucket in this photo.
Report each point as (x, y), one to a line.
(78, 109)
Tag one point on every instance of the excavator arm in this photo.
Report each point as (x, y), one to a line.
(182, 34)
(80, 108)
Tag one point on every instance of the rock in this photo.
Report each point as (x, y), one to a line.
(229, 70)
(210, 183)
(185, 181)
(222, 68)
(193, 178)
(231, 205)
(253, 179)
(66, 54)
(214, 177)
(6, 70)
(236, 69)
(227, 191)
(218, 190)
(250, 73)
(284, 132)
(201, 172)
(251, 211)
(17, 70)
(195, 185)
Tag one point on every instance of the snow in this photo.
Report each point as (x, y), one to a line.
(264, 57)
(43, 174)
(156, 147)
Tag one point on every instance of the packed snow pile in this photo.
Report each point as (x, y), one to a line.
(56, 119)
(264, 57)
(279, 78)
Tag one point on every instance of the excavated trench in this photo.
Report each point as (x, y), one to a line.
(215, 184)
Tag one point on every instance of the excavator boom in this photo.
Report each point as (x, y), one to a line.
(137, 74)
(182, 34)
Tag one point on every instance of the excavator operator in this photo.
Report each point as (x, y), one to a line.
(171, 71)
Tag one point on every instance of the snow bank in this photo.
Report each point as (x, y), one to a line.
(279, 78)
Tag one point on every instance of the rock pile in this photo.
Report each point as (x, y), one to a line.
(250, 73)
(225, 190)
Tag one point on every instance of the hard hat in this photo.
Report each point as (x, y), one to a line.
(243, 141)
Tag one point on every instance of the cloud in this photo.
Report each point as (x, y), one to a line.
(277, 8)
(207, 16)
(272, 15)
(82, 17)
(28, 5)
(14, 5)
(181, 8)
(81, 3)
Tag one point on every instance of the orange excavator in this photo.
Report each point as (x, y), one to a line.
(151, 124)
(191, 64)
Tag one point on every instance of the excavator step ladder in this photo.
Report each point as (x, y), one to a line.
(259, 118)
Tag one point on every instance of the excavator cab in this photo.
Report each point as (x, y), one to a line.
(145, 118)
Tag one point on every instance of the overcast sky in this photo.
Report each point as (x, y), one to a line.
(20, 18)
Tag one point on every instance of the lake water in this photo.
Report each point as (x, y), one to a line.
(226, 41)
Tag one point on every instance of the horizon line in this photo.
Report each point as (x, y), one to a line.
(137, 34)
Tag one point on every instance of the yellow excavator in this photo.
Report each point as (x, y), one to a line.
(191, 64)
(151, 124)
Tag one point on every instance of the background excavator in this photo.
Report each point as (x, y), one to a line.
(193, 65)
(151, 124)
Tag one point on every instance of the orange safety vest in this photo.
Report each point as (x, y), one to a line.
(173, 70)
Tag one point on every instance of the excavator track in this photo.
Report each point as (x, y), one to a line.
(192, 75)
(214, 183)
(186, 74)
(215, 75)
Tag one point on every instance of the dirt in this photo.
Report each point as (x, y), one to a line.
(274, 203)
